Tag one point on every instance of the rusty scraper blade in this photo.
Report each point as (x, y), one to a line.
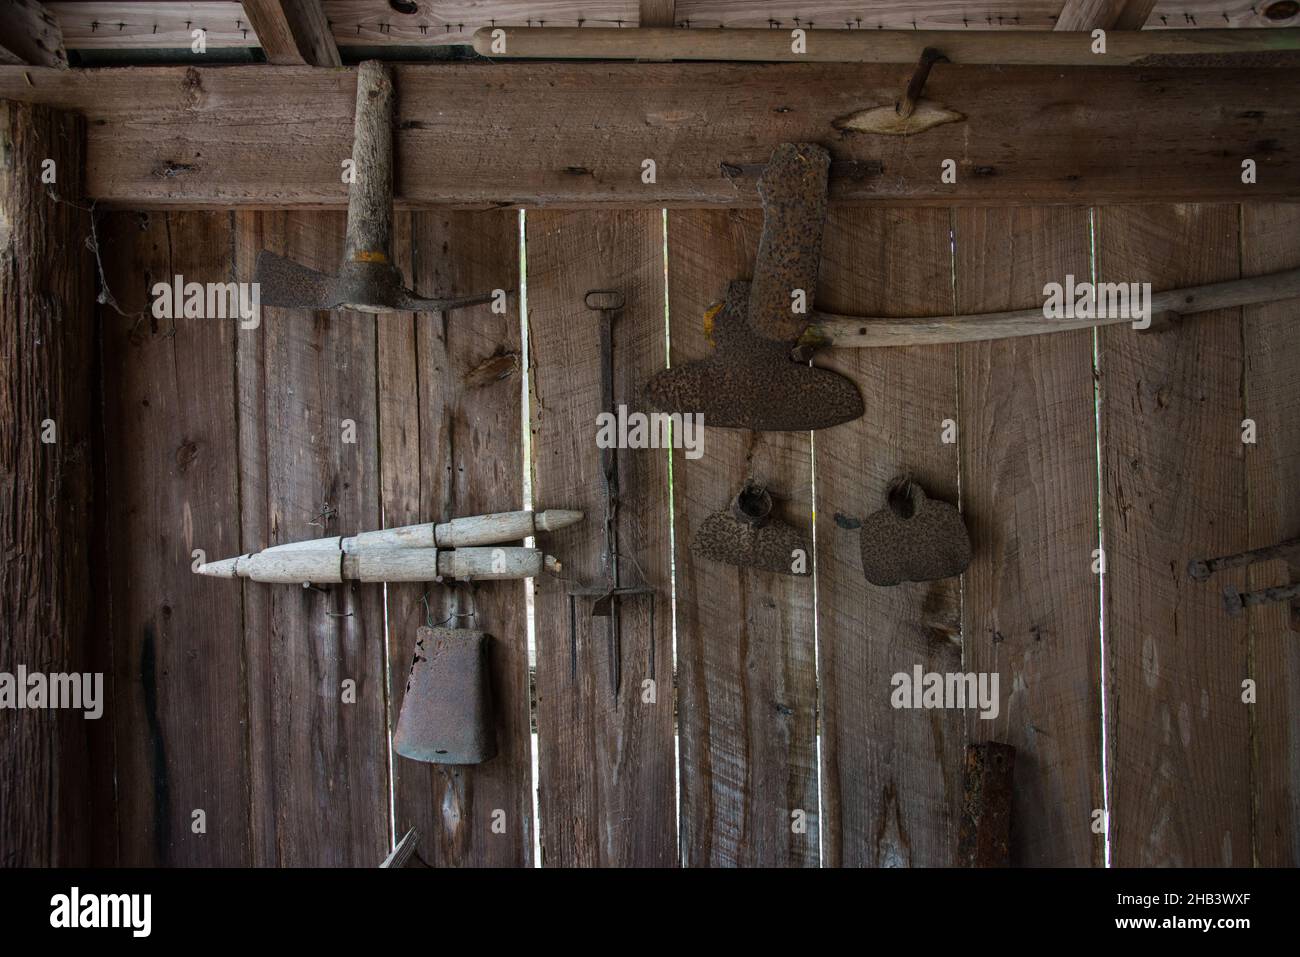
(446, 715)
(750, 381)
(914, 538)
(745, 533)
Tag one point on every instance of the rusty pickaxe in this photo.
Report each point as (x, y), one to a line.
(368, 281)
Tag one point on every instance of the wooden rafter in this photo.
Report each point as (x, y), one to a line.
(293, 32)
(1106, 14)
(657, 13)
(29, 33)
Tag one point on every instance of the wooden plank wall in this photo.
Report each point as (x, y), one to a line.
(746, 665)
(229, 700)
(891, 786)
(605, 763)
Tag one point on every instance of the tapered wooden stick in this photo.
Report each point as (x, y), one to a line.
(827, 330)
(457, 533)
(384, 565)
(1045, 48)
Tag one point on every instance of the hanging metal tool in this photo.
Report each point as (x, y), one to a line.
(750, 380)
(368, 280)
(1235, 601)
(610, 592)
(747, 534)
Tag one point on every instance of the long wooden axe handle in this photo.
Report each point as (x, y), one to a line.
(828, 330)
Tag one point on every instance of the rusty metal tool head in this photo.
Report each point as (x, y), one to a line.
(751, 380)
(914, 538)
(446, 715)
(368, 280)
(745, 533)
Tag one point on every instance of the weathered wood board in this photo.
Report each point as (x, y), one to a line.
(450, 403)
(276, 136)
(891, 778)
(1173, 489)
(1029, 496)
(172, 477)
(746, 653)
(1270, 240)
(318, 684)
(605, 762)
(55, 766)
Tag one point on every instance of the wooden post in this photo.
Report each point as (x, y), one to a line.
(46, 364)
(370, 198)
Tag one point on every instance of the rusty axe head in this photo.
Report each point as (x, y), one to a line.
(368, 281)
(446, 715)
(750, 381)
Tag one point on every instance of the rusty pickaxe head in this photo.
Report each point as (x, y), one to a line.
(751, 381)
(368, 281)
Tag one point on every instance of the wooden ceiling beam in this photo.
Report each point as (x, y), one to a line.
(30, 34)
(658, 13)
(293, 32)
(522, 133)
(1104, 14)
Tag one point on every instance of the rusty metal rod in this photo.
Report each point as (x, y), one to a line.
(1201, 569)
(1235, 602)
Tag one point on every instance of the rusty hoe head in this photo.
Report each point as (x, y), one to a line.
(446, 715)
(751, 380)
(914, 538)
(745, 533)
(368, 281)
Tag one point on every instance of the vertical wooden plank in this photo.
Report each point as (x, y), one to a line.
(320, 761)
(47, 496)
(451, 429)
(1173, 489)
(1271, 241)
(1029, 495)
(891, 778)
(173, 486)
(747, 685)
(605, 769)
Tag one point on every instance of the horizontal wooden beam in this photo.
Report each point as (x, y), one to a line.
(1123, 48)
(151, 24)
(579, 134)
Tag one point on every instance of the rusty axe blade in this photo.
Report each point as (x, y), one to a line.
(446, 715)
(367, 281)
(750, 381)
